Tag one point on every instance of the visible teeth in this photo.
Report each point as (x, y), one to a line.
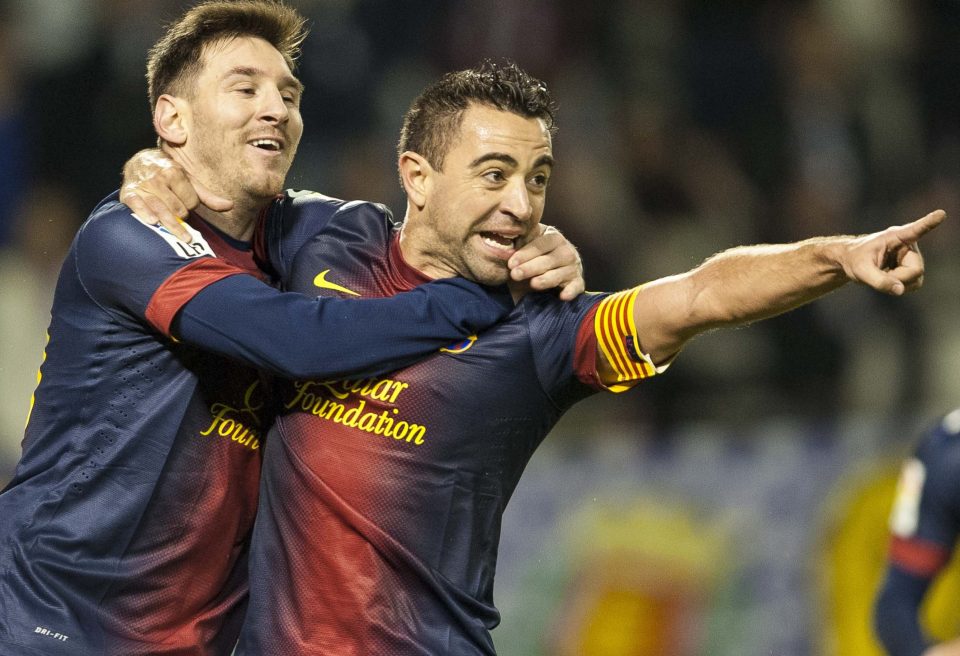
(269, 144)
(498, 241)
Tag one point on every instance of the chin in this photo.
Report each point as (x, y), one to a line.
(493, 278)
(265, 190)
(484, 270)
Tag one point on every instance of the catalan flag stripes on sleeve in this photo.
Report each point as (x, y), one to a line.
(617, 337)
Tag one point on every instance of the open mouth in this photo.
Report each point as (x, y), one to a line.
(499, 241)
(270, 145)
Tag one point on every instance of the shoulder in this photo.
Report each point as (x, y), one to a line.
(112, 225)
(942, 441)
(306, 201)
(319, 210)
(303, 204)
(309, 212)
(112, 230)
(551, 320)
(936, 460)
(549, 303)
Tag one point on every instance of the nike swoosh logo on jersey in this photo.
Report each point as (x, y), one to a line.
(322, 282)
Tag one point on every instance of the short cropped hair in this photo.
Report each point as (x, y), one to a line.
(433, 120)
(176, 58)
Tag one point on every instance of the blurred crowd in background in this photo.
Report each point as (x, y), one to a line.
(685, 128)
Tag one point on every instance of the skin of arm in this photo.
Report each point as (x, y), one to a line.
(950, 648)
(750, 283)
(160, 191)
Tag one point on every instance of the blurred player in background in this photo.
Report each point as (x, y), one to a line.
(125, 529)
(382, 497)
(924, 525)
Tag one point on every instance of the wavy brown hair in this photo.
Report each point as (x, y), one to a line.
(176, 58)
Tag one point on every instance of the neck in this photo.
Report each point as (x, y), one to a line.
(237, 222)
(415, 246)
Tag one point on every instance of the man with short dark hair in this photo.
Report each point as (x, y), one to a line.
(382, 498)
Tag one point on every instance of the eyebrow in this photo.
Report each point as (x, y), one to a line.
(543, 160)
(251, 71)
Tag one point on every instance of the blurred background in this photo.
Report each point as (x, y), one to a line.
(736, 505)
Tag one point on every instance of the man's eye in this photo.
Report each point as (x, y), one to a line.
(539, 180)
(494, 176)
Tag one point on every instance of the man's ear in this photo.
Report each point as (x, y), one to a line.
(416, 174)
(169, 119)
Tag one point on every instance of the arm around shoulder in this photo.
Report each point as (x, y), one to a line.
(296, 336)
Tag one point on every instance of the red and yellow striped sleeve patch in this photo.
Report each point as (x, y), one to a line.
(617, 338)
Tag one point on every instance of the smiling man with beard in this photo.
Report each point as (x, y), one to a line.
(381, 501)
(382, 497)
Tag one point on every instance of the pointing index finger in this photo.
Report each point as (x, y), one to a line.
(914, 231)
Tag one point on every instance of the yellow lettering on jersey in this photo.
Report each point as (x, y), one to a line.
(225, 425)
(226, 421)
(384, 389)
(317, 399)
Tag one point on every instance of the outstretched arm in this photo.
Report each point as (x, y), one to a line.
(750, 283)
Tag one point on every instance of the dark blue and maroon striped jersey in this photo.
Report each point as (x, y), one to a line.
(125, 529)
(382, 496)
(924, 525)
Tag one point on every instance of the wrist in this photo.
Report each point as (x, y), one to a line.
(831, 254)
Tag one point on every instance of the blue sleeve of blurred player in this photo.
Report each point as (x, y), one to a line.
(896, 613)
(295, 336)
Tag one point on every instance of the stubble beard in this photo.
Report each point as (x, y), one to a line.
(481, 269)
(234, 176)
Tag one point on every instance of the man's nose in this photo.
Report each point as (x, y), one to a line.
(516, 201)
(274, 108)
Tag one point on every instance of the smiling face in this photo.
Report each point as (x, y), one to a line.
(243, 121)
(486, 202)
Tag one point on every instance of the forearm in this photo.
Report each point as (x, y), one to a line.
(750, 283)
(736, 287)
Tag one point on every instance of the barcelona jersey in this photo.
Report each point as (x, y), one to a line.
(925, 525)
(136, 445)
(125, 529)
(382, 496)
